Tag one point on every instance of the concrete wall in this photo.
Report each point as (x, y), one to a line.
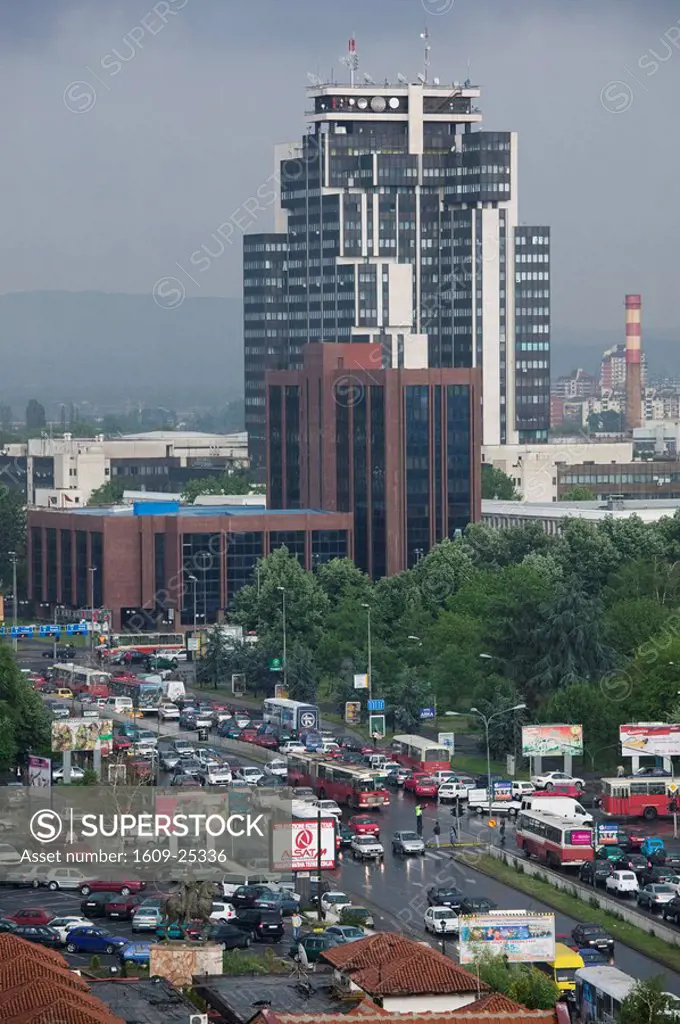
(533, 467)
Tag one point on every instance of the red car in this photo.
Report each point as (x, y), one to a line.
(420, 784)
(124, 888)
(265, 739)
(122, 908)
(368, 750)
(32, 915)
(248, 735)
(364, 825)
(121, 743)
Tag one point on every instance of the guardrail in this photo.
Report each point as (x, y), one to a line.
(590, 895)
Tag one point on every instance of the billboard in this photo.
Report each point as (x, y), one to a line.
(39, 771)
(522, 938)
(353, 712)
(551, 740)
(650, 740)
(82, 734)
(295, 845)
(502, 790)
(447, 739)
(360, 681)
(581, 837)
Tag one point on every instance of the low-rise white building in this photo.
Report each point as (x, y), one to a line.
(533, 468)
(551, 516)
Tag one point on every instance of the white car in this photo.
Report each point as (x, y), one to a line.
(64, 925)
(335, 902)
(329, 807)
(250, 774)
(292, 747)
(452, 789)
(76, 774)
(443, 776)
(241, 720)
(548, 780)
(674, 883)
(222, 716)
(222, 911)
(216, 775)
(171, 655)
(276, 767)
(168, 712)
(64, 878)
(520, 788)
(622, 883)
(367, 848)
(440, 920)
(208, 758)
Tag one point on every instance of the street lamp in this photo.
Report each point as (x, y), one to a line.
(370, 652)
(487, 719)
(486, 657)
(194, 582)
(285, 659)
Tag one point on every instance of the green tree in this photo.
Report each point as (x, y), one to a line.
(629, 624)
(24, 721)
(522, 983)
(586, 553)
(110, 493)
(236, 482)
(569, 641)
(216, 664)
(497, 484)
(578, 493)
(35, 415)
(592, 707)
(505, 731)
(648, 1004)
(441, 574)
(12, 533)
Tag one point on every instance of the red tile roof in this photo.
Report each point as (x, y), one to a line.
(37, 986)
(498, 1010)
(494, 1002)
(388, 964)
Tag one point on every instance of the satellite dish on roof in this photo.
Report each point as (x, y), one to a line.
(402, 78)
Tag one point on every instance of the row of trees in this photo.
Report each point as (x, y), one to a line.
(583, 627)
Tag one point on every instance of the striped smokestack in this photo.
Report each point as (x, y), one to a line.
(633, 381)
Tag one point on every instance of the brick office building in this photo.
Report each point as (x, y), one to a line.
(398, 448)
(144, 556)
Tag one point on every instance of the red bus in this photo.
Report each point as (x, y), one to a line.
(422, 754)
(80, 680)
(639, 797)
(333, 781)
(145, 643)
(557, 842)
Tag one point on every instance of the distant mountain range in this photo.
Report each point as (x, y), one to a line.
(109, 349)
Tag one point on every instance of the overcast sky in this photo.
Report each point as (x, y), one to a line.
(105, 185)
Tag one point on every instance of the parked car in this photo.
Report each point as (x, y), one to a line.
(136, 953)
(95, 904)
(596, 872)
(40, 933)
(366, 847)
(549, 780)
(264, 924)
(93, 940)
(314, 944)
(408, 842)
(7, 926)
(444, 896)
(122, 908)
(64, 878)
(334, 901)
(31, 915)
(344, 933)
(228, 935)
(248, 895)
(125, 888)
(362, 917)
(146, 919)
(364, 825)
(594, 937)
(284, 902)
(438, 920)
(77, 774)
(64, 925)
(622, 883)
(653, 897)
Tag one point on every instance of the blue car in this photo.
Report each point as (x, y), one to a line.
(136, 953)
(592, 957)
(93, 940)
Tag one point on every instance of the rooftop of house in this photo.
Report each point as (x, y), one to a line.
(388, 964)
(244, 998)
(144, 1000)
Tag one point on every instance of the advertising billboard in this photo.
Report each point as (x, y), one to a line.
(447, 739)
(650, 740)
(353, 712)
(39, 771)
(581, 837)
(360, 681)
(82, 734)
(522, 938)
(502, 790)
(552, 740)
(295, 845)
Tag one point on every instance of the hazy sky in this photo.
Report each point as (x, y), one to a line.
(107, 184)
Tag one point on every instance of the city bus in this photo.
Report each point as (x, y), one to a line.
(145, 697)
(557, 842)
(291, 715)
(639, 797)
(562, 970)
(80, 680)
(332, 781)
(420, 753)
(145, 643)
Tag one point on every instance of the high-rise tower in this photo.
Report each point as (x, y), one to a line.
(398, 224)
(633, 381)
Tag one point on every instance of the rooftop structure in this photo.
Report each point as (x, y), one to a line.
(551, 516)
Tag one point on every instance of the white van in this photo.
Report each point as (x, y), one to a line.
(119, 704)
(561, 806)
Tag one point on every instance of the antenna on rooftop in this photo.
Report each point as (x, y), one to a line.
(425, 36)
(351, 61)
(367, 79)
(468, 81)
(314, 80)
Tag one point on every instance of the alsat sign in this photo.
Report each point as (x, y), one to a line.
(295, 845)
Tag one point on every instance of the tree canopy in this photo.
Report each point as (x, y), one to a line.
(497, 484)
(24, 721)
(236, 482)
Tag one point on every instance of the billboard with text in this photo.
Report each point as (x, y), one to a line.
(552, 740)
(522, 938)
(650, 740)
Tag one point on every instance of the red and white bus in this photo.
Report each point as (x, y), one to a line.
(332, 781)
(86, 681)
(145, 643)
(420, 753)
(557, 842)
(639, 797)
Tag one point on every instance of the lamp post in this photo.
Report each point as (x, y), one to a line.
(285, 638)
(487, 719)
(194, 582)
(92, 570)
(15, 602)
(370, 652)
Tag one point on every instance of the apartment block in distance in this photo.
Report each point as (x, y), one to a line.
(398, 447)
(398, 216)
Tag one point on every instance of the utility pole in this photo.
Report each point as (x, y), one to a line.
(285, 646)
(92, 570)
(370, 651)
(15, 601)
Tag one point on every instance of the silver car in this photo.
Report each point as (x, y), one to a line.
(407, 843)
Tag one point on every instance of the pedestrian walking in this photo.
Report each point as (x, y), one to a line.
(296, 923)
(502, 833)
(436, 831)
(453, 835)
(419, 819)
